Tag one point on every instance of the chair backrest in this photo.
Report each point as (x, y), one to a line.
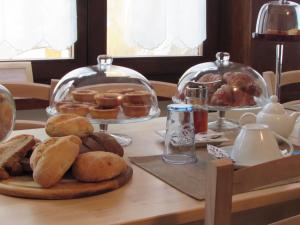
(222, 181)
(295, 220)
(28, 90)
(53, 84)
(269, 77)
(28, 124)
(16, 72)
(288, 77)
(162, 89)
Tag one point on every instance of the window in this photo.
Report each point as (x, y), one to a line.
(92, 41)
(37, 29)
(156, 68)
(156, 28)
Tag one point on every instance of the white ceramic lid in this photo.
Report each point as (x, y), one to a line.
(274, 107)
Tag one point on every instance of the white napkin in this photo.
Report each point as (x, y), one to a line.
(210, 137)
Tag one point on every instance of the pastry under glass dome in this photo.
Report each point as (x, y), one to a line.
(7, 113)
(231, 86)
(105, 94)
(278, 21)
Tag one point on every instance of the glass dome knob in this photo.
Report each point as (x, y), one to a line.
(104, 61)
(223, 58)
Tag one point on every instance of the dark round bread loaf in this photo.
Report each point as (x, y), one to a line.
(101, 141)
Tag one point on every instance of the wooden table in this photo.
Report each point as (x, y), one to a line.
(144, 200)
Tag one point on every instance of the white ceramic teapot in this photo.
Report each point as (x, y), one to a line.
(275, 116)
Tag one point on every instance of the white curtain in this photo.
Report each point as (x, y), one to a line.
(26, 24)
(151, 24)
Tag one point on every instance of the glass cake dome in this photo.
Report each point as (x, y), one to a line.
(105, 94)
(230, 86)
(7, 113)
(279, 19)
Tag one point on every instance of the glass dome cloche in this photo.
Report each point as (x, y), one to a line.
(231, 86)
(105, 94)
(7, 113)
(279, 20)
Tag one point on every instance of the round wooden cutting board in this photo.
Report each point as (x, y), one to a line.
(25, 187)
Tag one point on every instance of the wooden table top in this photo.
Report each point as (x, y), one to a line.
(144, 200)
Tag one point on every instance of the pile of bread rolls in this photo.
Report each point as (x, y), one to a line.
(73, 146)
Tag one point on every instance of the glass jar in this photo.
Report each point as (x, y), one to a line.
(7, 113)
(180, 135)
(196, 95)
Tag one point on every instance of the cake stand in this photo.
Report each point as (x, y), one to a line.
(278, 21)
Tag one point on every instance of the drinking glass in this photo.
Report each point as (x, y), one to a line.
(180, 135)
(196, 95)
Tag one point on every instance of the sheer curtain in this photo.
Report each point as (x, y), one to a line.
(27, 24)
(165, 24)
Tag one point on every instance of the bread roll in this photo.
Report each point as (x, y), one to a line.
(51, 159)
(12, 152)
(68, 124)
(98, 166)
(103, 142)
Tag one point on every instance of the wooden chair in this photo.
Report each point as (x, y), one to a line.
(162, 89)
(53, 84)
(28, 124)
(289, 77)
(28, 91)
(222, 182)
(16, 72)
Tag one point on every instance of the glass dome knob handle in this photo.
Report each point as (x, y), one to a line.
(104, 61)
(223, 57)
(274, 99)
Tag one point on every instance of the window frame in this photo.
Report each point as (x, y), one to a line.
(91, 42)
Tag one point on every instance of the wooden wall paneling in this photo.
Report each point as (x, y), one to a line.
(236, 29)
(97, 34)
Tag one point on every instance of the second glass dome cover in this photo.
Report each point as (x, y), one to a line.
(230, 85)
(279, 17)
(105, 93)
